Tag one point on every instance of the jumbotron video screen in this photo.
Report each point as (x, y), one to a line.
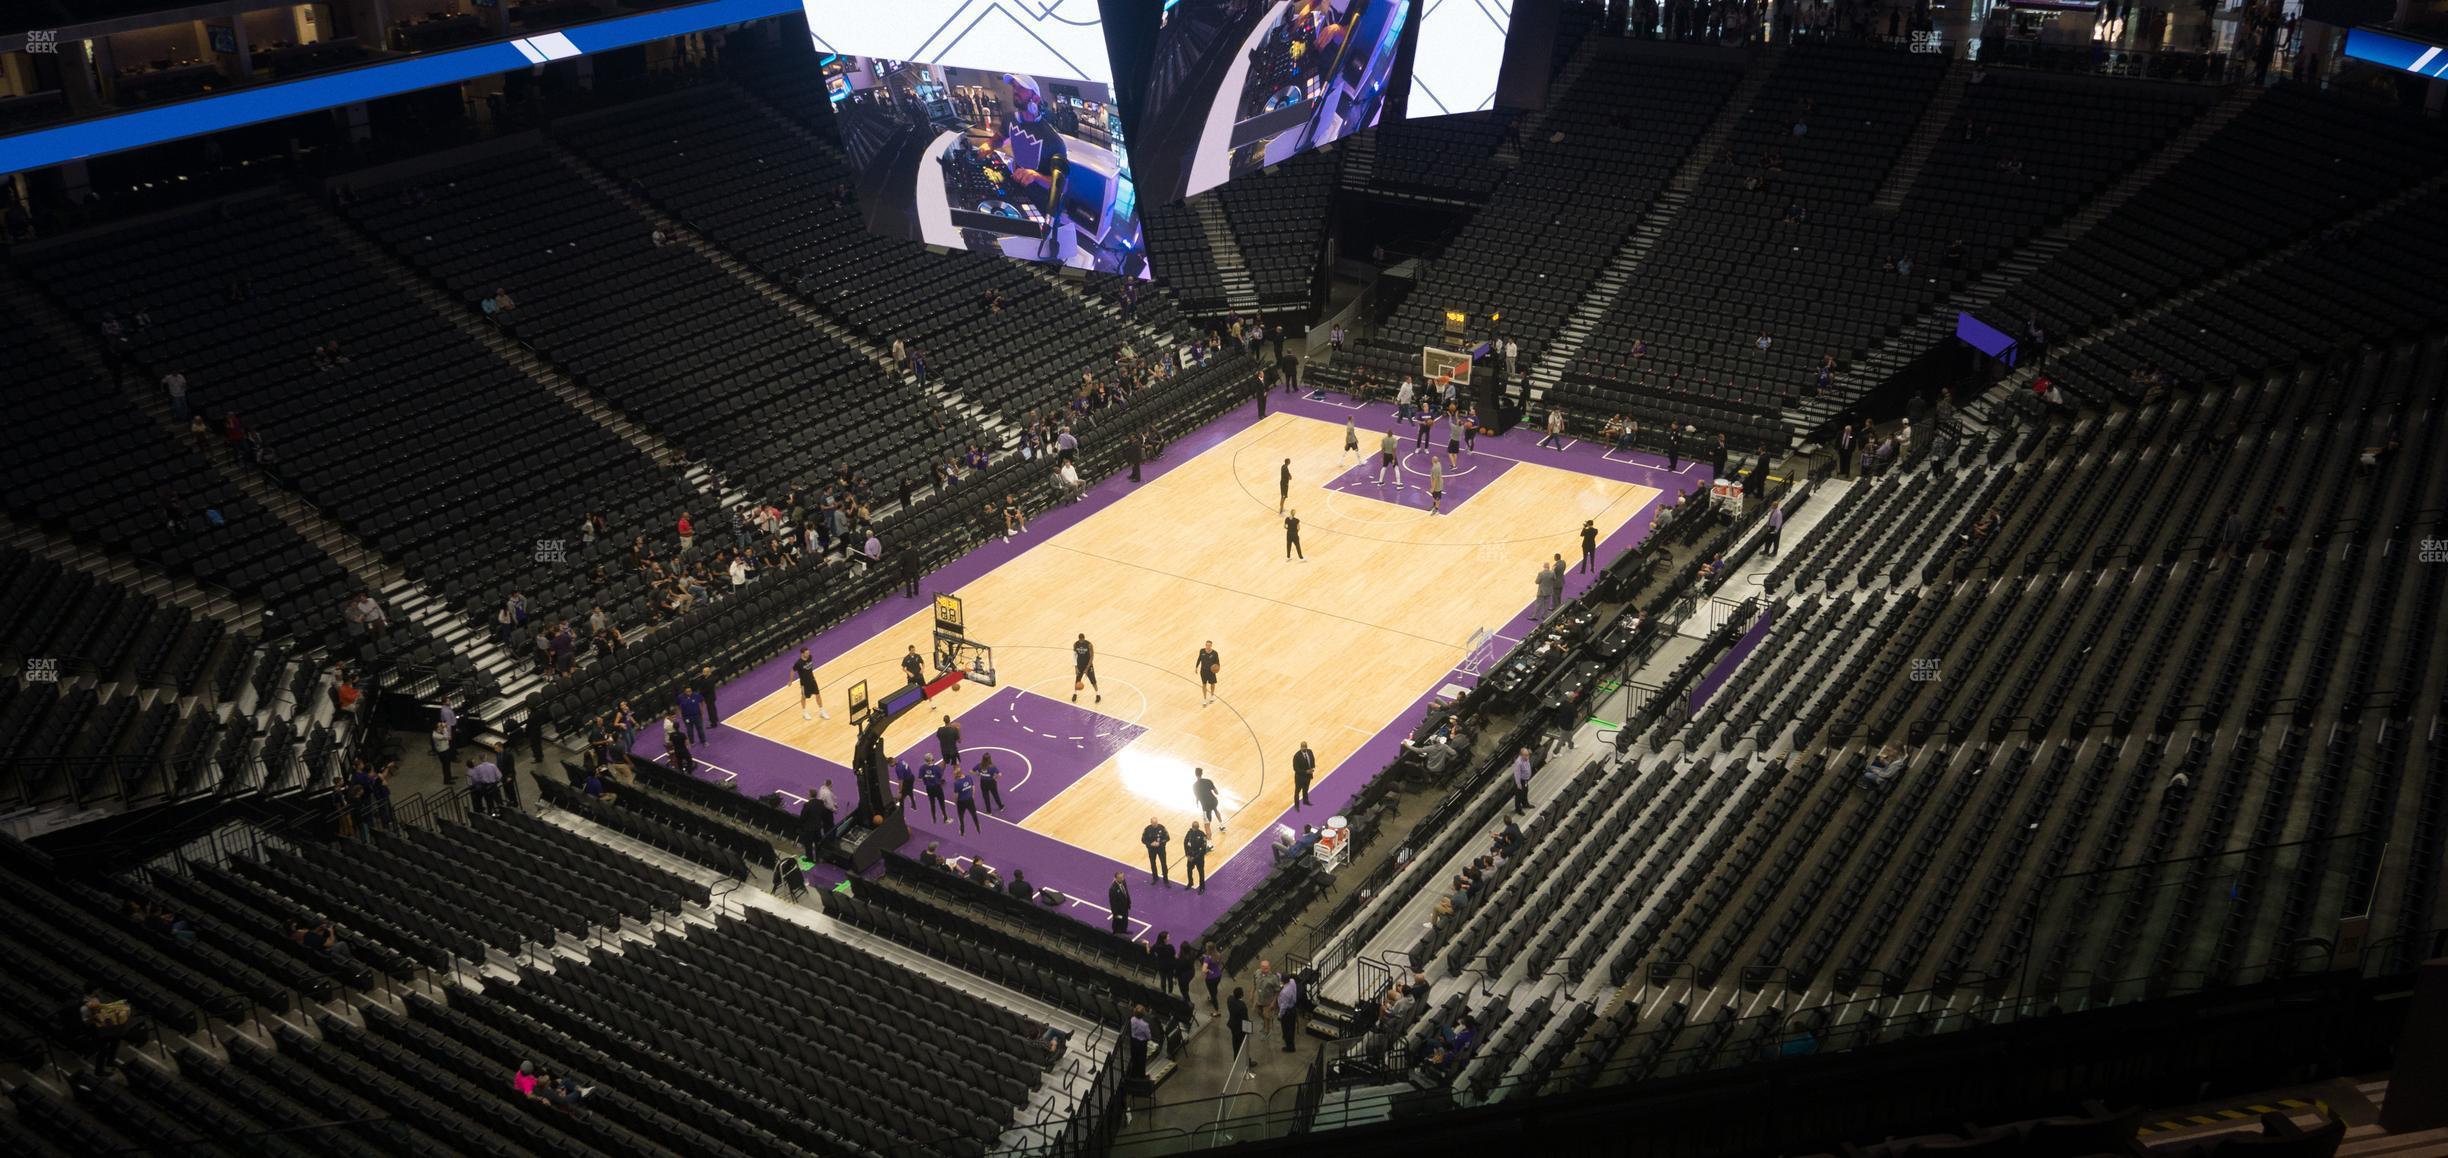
(984, 125)
(1239, 85)
(1029, 166)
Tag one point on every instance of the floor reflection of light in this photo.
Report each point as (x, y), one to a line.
(1155, 777)
(1164, 782)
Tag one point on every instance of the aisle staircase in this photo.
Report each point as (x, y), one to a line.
(1925, 138)
(1240, 292)
(1548, 365)
(1938, 323)
(1359, 160)
(1985, 408)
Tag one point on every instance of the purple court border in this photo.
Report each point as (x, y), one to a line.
(758, 765)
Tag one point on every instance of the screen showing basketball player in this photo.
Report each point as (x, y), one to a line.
(1027, 165)
(1460, 53)
(1239, 85)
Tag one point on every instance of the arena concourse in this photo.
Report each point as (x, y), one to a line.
(1849, 579)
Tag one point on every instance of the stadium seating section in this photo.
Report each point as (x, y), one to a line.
(2075, 705)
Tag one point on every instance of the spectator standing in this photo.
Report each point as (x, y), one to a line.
(175, 384)
(1776, 524)
(1140, 1036)
(1268, 985)
(1163, 954)
(964, 799)
(688, 531)
(1549, 593)
(990, 786)
(484, 785)
(442, 747)
(1237, 1019)
(1523, 769)
(931, 776)
(106, 1021)
(1844, 451)
(1287, 1010)
(1118, 903)
(1304, 770)
(705, 675)
(816, 820)
(692, 713)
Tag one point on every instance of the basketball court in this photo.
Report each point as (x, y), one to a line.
(1376, 621)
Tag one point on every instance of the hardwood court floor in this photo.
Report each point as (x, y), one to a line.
(1326, 651)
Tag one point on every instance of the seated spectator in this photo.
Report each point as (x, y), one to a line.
(2374, 456)
(1885, 766)
(1436, 755)
(2281, 528)
(1053, 1040)
(600, 789)
(527, 1082)
(566, 1094)
(932, 857)
(1985, 526)
(1020, 886)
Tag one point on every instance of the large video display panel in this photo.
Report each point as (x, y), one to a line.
(1239, 85)
(1461, 51)
(1026, 165)
(1037, 37)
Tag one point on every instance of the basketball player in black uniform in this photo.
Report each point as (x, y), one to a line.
(1208, 664)
(1083, 668)
(1283, 486)
(805, 668)
(1292, 537)
(913, 666)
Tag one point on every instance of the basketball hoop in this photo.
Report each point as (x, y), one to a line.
(1441, 367)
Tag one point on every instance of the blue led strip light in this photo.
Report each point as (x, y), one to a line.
(246, 106)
